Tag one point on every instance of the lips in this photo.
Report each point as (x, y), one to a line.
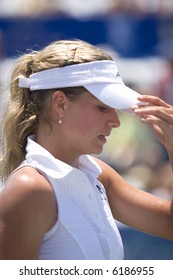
(102, 138)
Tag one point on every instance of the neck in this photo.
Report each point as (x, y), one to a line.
(59, 148)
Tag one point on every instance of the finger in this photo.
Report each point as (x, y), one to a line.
(154, 100)
(162, 130)
(165, 114)
(160, 127)
(150, 119)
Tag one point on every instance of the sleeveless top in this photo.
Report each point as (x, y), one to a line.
(85, 228)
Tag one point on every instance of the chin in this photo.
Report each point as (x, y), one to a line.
(93, 150)
(97, 150)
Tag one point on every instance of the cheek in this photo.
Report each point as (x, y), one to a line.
(83, 119)
(84, 126)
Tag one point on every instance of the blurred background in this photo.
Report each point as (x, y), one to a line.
(139, 36)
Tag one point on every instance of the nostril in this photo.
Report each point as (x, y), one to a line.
(116, 125)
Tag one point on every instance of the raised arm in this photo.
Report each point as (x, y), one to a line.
(132, 206)
(159, 115)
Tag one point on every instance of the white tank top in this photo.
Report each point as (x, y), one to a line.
(85, 229)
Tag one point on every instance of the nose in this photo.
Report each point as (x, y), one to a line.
(114, 119)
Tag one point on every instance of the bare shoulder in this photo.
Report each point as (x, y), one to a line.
(28, 209)
(26, 183)
(28, 187)
(109, 175)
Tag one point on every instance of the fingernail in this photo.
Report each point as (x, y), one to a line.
(133, 107)
(143, 120)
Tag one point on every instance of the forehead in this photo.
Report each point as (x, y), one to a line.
(89, 97)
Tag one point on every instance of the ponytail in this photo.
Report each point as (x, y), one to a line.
(21, 118)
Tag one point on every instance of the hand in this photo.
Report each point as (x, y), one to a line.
(159, 115)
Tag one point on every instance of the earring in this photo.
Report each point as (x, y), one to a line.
(60, 121)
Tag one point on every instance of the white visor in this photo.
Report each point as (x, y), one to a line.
(100, 78)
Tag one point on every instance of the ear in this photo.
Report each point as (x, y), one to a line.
(58, 102)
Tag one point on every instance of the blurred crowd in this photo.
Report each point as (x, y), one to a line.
(132, 149)
(82, 8)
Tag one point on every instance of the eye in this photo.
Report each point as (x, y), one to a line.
(102, 108)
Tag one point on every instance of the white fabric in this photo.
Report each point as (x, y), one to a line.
(100, 78)
(88, 73)
(85, 228)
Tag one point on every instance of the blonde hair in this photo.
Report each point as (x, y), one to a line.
(25, 108)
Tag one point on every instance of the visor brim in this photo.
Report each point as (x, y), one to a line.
(117, 96)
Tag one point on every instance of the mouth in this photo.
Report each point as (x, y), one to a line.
(102, 138)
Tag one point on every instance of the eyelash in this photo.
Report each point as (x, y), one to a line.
(102, 108)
